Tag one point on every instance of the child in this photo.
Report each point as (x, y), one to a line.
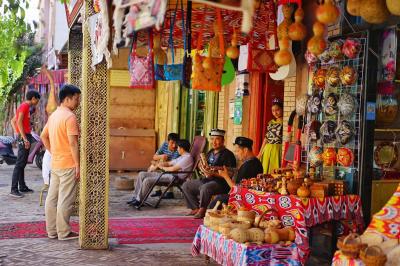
(271, 149)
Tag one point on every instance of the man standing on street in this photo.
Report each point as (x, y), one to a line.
(22, 126)
(60, 137)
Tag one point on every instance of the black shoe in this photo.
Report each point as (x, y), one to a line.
(168, 195)
(16, 194)
(26, 190)
(133, 202)
(156, 194)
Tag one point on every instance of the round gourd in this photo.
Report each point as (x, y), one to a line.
(353, 7)
(328, 13)
(232, 52)
(374, 11)
(297, 31)
(318, 29)
(255, 234)
(316, 45)
(393, 6)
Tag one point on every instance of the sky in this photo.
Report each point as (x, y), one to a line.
(32, 13)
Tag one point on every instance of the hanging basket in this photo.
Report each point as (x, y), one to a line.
(373, 256)
(351, 245)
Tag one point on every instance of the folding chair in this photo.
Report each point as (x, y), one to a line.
(197, 148)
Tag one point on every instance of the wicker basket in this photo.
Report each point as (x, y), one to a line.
(373, 256)
(350, 245)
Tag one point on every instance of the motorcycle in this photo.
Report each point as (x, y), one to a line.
(8, 156)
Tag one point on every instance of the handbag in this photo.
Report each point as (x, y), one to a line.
(141, 69)
(170, 72)
(187, 59)
(209, 78)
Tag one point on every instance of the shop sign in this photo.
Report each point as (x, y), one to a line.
(237, 119)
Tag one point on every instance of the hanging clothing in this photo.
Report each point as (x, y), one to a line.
(272, 152)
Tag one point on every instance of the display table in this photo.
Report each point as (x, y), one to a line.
(228, 252)
(301, 213)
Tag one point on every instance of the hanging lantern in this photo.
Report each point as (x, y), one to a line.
(317, 44)
(327, 13)
(297, 31)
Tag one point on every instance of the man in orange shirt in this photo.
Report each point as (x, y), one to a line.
(60, 137)
(22, 126)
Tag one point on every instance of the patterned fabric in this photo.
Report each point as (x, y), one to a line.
(301, 213)
(341, 260)
(164, 150)
(274, 132)
(387, 220)
(228, 252)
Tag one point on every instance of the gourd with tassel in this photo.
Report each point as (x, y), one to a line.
(374, 11)
(317, 44)
(297, 31)
(327, 13)
(232, 51)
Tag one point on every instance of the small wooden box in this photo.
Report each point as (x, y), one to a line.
(322, 189)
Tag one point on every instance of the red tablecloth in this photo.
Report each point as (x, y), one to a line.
(300, 213)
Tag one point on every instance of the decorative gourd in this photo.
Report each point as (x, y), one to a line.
(303, 191)
(271, 236)
(297, 31)
(374, 11)
(353, 7)
(255, 234)
(283, 56)
(317, 44)
(160, 57)
(96, 6)
(328, 13)
(239, 235)
(51, 101)
(283, 28)
(393, 6)
(232, 51)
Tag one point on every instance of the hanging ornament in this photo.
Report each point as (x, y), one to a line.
(374, 11)
(283, 28)
(329, 156)
(335, 49)
(330, 104)
(317, 44)
(347, 104)
(353, 7)
(327, 131)
(393, 6)
(297, 31)
(283, 56)
(327, 13)
(345, 157)
(348, 75)
(232, 51)
(332, 76)
(96, 6)
(319, 78)
(344, 132)
(351, 48)
(51, 101)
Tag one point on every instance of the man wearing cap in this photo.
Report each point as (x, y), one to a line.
(250, 167)
(212, 184)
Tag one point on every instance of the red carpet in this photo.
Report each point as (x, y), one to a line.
(127, 231)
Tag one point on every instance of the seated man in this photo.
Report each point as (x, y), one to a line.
(212, 184)
(145, 180)
(166, 152)
(250, 167)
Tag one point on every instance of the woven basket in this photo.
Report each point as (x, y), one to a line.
(350, 245)
(373, 256)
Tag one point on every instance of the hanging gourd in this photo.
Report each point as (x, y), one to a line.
(393, 6)
(232, 51)
(317, 44)
(374, 11)
(327, 13)
(96, 6)
(283, 56)
(297, 31)
(283, 28)
(353, 7)
(51, 100)
(160, 57)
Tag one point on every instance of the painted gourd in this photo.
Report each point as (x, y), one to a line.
(283, 56)
(393, 6)
(374, 11)
(353, 7)
(317, 44)
(297, 31)
(327, 13)
(232, 51)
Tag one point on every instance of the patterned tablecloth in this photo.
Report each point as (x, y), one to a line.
(300, 213)
(228, 252)
(385, 222)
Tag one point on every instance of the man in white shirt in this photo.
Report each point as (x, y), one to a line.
(145, 180)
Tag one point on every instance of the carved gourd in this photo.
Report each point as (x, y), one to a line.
(327, 13)
(283, 56)
(297, 31)
(317, 44)
(374, 11)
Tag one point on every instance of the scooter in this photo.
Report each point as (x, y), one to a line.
(36, 152)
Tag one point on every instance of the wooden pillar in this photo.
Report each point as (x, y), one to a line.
(93, 208)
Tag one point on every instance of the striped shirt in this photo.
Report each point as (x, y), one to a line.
(164, 150)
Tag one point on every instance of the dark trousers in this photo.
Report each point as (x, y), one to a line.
(18, 177)
(200, 192)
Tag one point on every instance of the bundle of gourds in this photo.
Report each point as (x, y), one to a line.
(373, 11)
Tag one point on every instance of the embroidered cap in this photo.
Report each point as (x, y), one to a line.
(217, 132)
(244, 142)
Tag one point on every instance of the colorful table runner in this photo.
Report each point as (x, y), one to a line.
(341, 260)
(300, 213)
(230, 253)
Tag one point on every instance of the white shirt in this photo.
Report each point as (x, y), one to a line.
(185, 162)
